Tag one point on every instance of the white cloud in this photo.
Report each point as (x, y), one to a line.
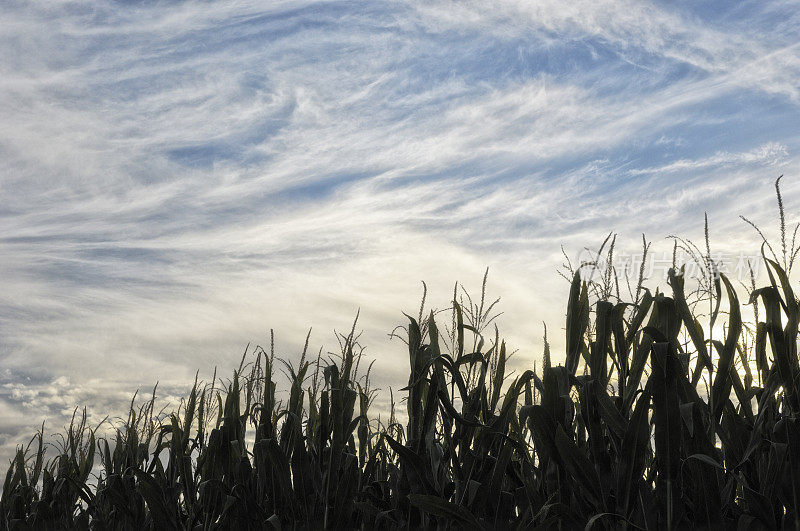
(179, 179)
(769, 154)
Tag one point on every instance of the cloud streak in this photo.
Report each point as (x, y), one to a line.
(178, 178)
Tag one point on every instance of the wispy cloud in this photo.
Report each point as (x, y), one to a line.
(179, 178)
(770, 154)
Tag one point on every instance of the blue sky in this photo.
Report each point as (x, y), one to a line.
(176, 178)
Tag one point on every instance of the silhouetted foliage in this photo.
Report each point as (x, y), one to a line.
(663, 429)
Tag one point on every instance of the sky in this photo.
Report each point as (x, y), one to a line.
(178, 178)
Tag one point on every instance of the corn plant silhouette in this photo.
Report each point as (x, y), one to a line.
(648, 424)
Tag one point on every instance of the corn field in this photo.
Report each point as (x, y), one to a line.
(661, 417)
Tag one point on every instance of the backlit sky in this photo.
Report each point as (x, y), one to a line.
(176, 178)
